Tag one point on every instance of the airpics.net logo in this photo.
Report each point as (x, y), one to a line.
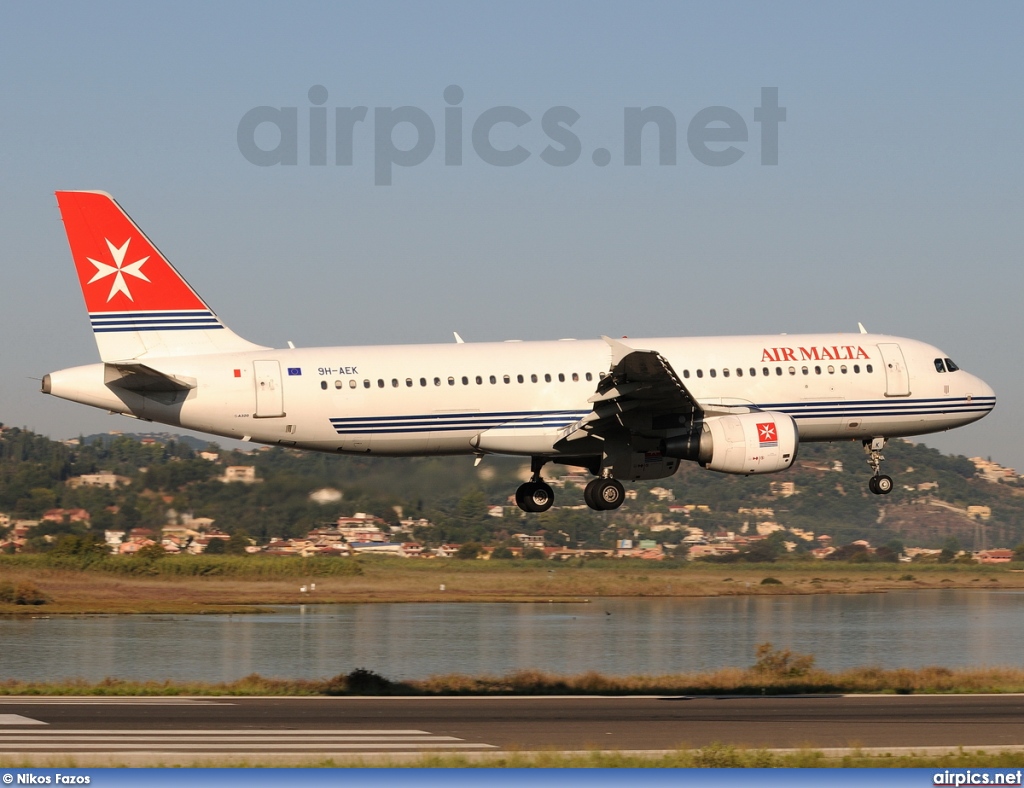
(715, 136)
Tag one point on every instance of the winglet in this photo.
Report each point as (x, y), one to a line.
(619, 350)
(862, 329)
(458, 340)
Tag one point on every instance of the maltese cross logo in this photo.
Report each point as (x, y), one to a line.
(767, 435)
(118, 269)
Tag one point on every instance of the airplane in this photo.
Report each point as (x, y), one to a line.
(623, 409)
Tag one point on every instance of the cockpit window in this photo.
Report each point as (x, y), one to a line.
(939, 367)
(951, 366)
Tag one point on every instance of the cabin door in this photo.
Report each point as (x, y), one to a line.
(269, 393)
(897, 381)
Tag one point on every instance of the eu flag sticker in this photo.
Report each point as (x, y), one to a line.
(294, 370)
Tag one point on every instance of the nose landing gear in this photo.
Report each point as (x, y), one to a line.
(879, 483)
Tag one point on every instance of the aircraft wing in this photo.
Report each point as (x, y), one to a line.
(641, 394)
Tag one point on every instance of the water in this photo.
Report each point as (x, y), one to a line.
(616, 637)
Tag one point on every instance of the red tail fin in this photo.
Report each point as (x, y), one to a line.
(139, 305)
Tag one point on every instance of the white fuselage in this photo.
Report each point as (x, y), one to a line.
(517, 397)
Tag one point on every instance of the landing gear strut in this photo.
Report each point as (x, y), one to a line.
(535, 495)
(604, 494)
(879, 483)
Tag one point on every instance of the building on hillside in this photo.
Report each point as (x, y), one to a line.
(210, 456)
(529, 540)
(663, 493)
(246, 474)
(101, 479)
(496, 511)
(993, 471)
(782, 489)
(72, 515)
(979, 512)
(1000, 556)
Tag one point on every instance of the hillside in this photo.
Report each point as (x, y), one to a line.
(164, 480)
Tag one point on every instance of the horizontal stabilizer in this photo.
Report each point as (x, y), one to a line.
(139, 377)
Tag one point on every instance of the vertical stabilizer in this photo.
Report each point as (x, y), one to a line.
(139, 305)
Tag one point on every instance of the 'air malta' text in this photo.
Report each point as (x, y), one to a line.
(823, 353)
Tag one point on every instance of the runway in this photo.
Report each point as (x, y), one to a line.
(346, 726)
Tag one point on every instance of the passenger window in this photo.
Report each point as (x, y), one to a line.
(868, 368)
(437, 381)
(352, 384)
(686, 373)
(479, 380)
(951, 366)
(778, 370)
(856, 369)
(520, 378)
(713, 372)
(533, 378)
(451, 381)
(831, 370)
(465, 381)
(939, 366)
(725, 372)
(575, 378)
(506, 378)
(394, 383)
(493, 379)
(408, 382)
(547, 378)
(337, 384)
(323, 385)
(792, 370)
(561, 377)
(602, 375)
(739, 372)
(380, 383)
(843, 369)
(765, 371)
(817, 370)
(366, 384)
(589, 376)
(805, 370)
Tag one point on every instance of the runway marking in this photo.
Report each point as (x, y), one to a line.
(96, 700)
(209, 741)
(17, 719)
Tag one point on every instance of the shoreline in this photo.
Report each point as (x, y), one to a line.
(85, 592)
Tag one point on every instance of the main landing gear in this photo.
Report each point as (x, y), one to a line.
(879, 483)
(604, 494)
(535, 495)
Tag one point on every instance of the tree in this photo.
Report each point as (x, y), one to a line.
(237, 543)
(216, 547)
(469, 550)
(502, 553)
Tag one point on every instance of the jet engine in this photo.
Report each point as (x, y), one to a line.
(745, 443)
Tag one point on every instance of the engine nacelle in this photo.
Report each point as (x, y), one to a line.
(746, 443)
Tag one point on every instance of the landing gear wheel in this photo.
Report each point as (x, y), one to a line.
(534, 497)
(873, 485)
(883, 484)
(604, 494)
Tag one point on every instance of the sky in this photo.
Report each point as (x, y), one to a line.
(896, 199)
